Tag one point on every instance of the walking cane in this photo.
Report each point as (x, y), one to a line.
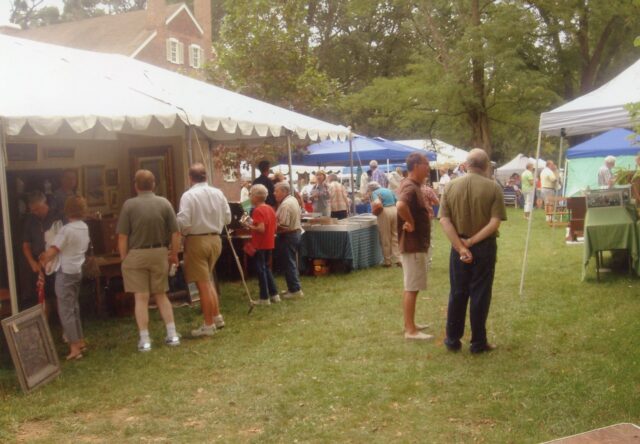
(244, 282)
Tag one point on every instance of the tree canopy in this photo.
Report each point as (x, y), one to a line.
(470, 72)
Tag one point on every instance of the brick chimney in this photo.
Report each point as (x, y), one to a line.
(202, 12)
(156, 13)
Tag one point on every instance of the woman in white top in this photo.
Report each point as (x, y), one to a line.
(70, 246)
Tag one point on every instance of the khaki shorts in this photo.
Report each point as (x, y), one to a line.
(146, 271)
(200, 256)
(414, 268)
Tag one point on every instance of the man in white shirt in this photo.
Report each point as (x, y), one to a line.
(289, 232)
(204, 211)
(444, 180)
(605, 173)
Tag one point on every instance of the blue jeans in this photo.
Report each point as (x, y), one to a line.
(287, 245)
(265, 278)
(471, 281)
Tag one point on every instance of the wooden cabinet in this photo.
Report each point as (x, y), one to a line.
(578, 208)
(103, 235)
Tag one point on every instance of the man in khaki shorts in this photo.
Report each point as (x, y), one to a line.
(204, 211)
(146, 228)
(414, 233)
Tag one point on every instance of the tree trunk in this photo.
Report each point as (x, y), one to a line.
(479, 118)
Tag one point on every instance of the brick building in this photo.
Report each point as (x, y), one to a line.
(170, 36)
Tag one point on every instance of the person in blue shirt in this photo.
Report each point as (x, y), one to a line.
(387, 223)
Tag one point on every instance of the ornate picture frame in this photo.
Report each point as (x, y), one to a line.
(93, 185)
(31, 346)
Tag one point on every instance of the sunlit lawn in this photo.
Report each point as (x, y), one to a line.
(334, 366)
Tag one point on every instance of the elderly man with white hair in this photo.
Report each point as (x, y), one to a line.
(377, 175)
(605, 173)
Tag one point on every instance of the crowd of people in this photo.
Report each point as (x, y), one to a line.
(151, 235)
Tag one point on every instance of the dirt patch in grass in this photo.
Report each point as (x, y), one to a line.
(34, 430)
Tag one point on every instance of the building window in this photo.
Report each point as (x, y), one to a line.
(175, 51)
(195, 56)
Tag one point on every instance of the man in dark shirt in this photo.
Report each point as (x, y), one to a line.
(471, 211)
(38, 221)
(263, 179)
(414, 232)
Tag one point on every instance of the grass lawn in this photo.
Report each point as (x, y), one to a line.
(334, 366)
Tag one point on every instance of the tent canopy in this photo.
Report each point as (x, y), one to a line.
(617, 142)
(364, 151)
(515, 165)
(446, 153)
(599, 110)
(47, 89)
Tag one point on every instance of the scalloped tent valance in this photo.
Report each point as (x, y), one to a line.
(45, 87)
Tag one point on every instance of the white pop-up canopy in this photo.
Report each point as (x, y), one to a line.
(597, 111)
(516, 165)
(446, 153)
(600, 110)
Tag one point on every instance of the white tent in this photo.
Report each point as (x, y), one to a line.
(52, 91)
(45, 86)
(600, 110)
(446, 153)
(515, 165)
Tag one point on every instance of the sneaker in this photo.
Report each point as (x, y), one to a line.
(144, 346)
(172, 341)
(294, 295)
(203, 330)
(418, 335)
(275, 299)
(262, 302)
(218, 321)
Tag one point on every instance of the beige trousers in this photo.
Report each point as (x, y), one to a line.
(388, 229)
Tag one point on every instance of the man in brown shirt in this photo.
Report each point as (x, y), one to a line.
(414, 232)
(470, 214)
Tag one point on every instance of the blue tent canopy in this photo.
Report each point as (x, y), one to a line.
(617, 142)
(364, 150)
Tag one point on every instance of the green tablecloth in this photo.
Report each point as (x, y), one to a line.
(609, 228)
(359, 248)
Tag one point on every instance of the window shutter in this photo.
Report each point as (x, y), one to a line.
(191, 56)
(180, 53)
(169, 50)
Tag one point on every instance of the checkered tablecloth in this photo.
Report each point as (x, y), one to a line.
(358, 248)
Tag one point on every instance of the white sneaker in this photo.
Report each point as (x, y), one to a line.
(144, 346)
(204, 330)
(418, 335)
(262, 302)
(218, 321)
(275, 299)
(294, 295)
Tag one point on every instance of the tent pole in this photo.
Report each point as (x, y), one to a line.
(352, 207)
(530, 221)
(555, 201)
(291, 189)
(6, 221)
(189, 145)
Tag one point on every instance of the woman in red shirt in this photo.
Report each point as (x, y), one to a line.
(263, 231)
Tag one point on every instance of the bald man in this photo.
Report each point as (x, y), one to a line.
(148, 240)
(471, 210)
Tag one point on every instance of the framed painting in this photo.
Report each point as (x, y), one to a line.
(31, 347)
(111, 177)
(22, 152)
(54, 153)
(114, 199)
(159, 161)
(93, 185)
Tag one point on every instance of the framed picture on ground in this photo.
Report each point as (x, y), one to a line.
(93, 182)
(31, 347)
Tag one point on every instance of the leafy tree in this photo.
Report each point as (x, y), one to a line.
(30, 13)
